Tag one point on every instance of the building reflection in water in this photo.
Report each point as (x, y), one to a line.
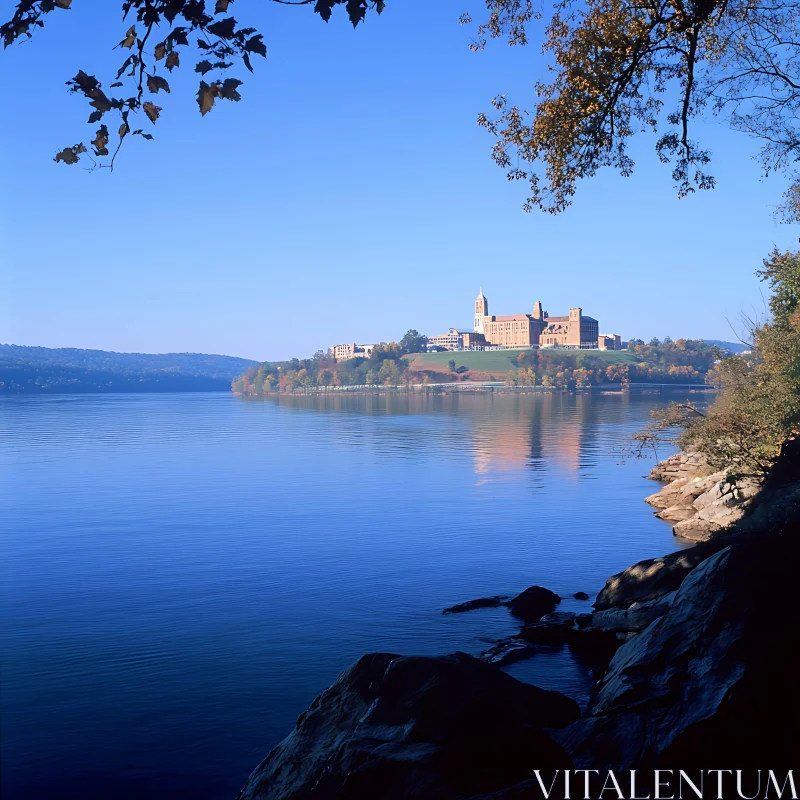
(529, 433)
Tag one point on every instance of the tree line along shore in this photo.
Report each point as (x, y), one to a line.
(392, 364)
(28, 370)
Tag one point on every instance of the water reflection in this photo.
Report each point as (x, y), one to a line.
(182, 574)
(504, 432)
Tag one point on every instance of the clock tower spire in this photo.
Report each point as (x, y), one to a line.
(481, 311)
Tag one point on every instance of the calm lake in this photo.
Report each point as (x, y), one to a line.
(182, 574)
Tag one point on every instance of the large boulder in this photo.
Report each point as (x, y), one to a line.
(726, 501)
(400, 728)
(654, 577)
(532, 604)
(636, 617)
(683, 492)
(677, 513)
(552, 629)
(696, 530)
(704, 504)
(670, 495)
(711, 682)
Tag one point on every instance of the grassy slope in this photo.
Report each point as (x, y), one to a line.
(500, 361)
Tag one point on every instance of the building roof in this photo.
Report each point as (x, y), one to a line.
(510, 318)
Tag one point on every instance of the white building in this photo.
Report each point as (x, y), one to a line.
(344, 352)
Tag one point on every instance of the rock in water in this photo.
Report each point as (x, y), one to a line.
(481, 602)
(552, 629)
(508, 651)
(413, 728)
(534, 603)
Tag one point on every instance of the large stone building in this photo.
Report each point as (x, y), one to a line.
(575, 331)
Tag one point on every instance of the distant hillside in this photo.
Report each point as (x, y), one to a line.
(211, 366)
(733, 347)
(43, 370)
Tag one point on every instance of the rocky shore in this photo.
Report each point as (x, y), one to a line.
(700, 502)
(692, 655)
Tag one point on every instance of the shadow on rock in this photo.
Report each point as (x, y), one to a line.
(710, 681)
(395, 727)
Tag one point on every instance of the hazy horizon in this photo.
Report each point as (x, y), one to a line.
(238, 355)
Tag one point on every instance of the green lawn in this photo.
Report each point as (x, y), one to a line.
(501, 361)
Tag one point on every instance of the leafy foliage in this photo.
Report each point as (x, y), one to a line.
(162, 32)
(620, 67)
(385, 367)
(757, 408)
(684, 361)
(413, 342)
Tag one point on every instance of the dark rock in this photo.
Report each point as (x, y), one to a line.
(594, 649)
(581, 596)
(709, 682)
(636, 617)
(561, 618)
(654, 577)
(481, 602)
(534, 603)
(508, 651)
(552, 629)
(583, 621)
(400, 728)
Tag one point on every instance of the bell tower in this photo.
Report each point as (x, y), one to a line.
(574, 329)
(481, 311)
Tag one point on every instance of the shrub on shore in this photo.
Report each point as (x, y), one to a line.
(757, 407)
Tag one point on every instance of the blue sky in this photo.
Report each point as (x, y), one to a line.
(349, 196)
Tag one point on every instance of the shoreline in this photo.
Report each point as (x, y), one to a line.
(684, 650)
(482, 386)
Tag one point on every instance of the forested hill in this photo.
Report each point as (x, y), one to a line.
(43, 370)
(731, 347)
(212, 366)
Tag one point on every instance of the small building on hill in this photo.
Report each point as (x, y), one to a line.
(344, 352)
(447, 341)
(609, 341)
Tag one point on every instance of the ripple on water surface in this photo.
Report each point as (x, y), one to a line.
(182, 574)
